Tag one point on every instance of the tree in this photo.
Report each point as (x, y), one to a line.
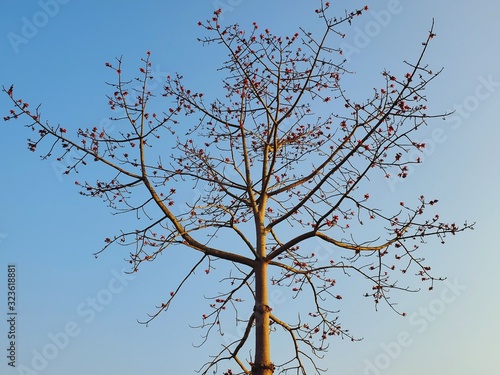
(273, 176)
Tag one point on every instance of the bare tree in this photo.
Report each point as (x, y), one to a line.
(271, 174)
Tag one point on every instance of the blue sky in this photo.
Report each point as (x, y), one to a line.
(54, 52)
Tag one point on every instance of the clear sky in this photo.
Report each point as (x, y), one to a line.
(54, 52)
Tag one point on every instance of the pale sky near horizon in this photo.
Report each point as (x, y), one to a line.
(54, 51)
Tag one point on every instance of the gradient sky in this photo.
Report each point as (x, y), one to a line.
(50, 232)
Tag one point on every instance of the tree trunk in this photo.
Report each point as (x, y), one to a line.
(262, 364)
